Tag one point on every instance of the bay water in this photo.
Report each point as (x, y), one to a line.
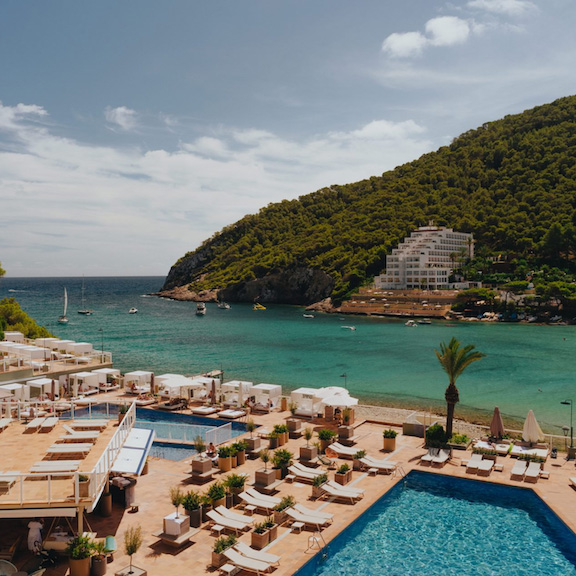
(382, 361)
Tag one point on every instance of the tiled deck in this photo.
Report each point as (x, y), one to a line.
(152, 494)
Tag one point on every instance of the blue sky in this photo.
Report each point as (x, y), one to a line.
(132, 131)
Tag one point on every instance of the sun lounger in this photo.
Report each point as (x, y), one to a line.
(7, 479)
(301, 475)
(427, 458)
(274, 500)
(308, 469)
(226, 522)
(349, 489)
(343, 451)
(381, 466)
(35, 423)
(257, 502)
(67, 449)
(519, 469)
(339, 493)
(573, 481)
(204, 410)
(502, 448)
(88, 424)
(75, 436)
(474, 462)
(231, 414)
(49, 423)
(248, 520)
(48, 466)
(442, 457)
(311, 512)
(250, 552)
(4, 423)
(485, 466)
(309, 520)
(533, 471)
(246, 563)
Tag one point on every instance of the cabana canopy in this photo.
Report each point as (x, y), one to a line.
(176, 385)
(41, 385)
(237, 390)
(267, 394)
(82, 382)
(106, 374)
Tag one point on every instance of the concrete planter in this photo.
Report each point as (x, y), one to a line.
(389, 444)
(201, 465)
(254, 444)
(260, 541)
(343, 478)
(99, 566)
(218, 559)
(265, 477)
(84, 489)
(345, 431)
(310, 453)
(79, 567)
(195, 517)
(225, 464)
(241, 457)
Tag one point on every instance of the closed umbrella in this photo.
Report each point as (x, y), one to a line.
(213, 392)
(531, 431)
(497, 426)
(152, 387)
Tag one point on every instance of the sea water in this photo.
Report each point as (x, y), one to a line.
(382, 361)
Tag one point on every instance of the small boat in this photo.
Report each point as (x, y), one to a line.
(133, 311)
(424, 321)
(258, 306)
(64, 319)
(84, 311)
(410, 323)
(349, 327)
(223, 306)
(308, 315)
(200, 309)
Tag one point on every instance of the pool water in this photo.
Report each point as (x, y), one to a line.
(437, 525)
(171, 451)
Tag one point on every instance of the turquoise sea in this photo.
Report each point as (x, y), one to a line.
(384, 362)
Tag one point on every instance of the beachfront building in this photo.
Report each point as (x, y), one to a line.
(426, 259)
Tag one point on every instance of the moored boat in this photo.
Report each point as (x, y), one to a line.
(64, 319)
(133, 310)
(200, 309)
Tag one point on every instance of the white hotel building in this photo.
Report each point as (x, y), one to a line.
(426, 259)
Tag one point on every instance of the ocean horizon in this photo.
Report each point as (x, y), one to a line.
(382, 361)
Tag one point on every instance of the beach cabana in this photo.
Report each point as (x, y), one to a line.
(38, 387)
(138, 381)
(84, 383)
(267, 394)
(107, 375)
(237, 391)
(14, 336)
(176, 386)
(16, 391)
(51, 343)
(340, 401)
(308, 401)
(80, 348)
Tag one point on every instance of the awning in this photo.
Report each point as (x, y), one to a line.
(133, 454)
(39, 513)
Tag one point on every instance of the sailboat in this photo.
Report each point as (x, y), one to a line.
(64, 319)
(84, 310)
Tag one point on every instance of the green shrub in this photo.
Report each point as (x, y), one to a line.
(360, 454)
(389, 433)
(435, 436)
(234, 481)
(223, 543)
(216, 491)
(319, 480)
(260, 527)
(80, 547)
(192, 500)
(326, 434)
(459, 439)
(224, 452)
(282, 458)
(343, 469)
(286, 502)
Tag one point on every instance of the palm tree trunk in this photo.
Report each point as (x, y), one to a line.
(452, 397)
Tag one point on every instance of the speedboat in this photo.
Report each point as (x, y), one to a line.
(223, 305)
(410, 323)
(200, 309)
(258, 306)
(308, 315)
(349, 327)
(133, 310)
(424, 321)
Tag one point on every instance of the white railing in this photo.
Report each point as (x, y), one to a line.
(219, 435)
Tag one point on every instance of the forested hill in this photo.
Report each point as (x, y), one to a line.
(511, 182)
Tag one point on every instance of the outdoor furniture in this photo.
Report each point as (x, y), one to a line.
(88, 424)
(519, 469)
(249, 564)
(427, 458)
(250, 552)
(231, 414)
(309, 520)
(49, 424)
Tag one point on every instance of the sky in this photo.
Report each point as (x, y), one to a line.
(132, 131)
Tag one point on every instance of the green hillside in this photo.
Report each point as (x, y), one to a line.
(511, 182)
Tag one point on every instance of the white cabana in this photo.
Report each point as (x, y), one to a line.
(138, 381)
(531, 431)
(14, 336)
(84, 383)
(51, 343)
(308, 401)
(209, 384)
(340, 401)
(177, 386)
(64, 345)
(236, 391)
(80, 348)
(267, 394)
(15, 390)
(107, 375)
(39, 387)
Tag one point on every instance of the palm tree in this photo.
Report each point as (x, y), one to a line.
(455, 360)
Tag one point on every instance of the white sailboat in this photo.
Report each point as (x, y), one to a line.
(64, 319)
(85, 311)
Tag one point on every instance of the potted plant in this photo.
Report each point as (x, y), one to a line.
(122, 409)
(176, 497)
(317, 485)
(79, 550)
(132, 543)
(224, 459)
(199, 444)
(356, 464)
(206, 506)
(233, 455)
(265, 477)
(292, 406)
(280, 515)
(347, 416)
(251, 426)
(389, 440)
(217, 494)
(235, 484)
(83, 485)
(260, 536)
(272, 528)
(221, 544)
(343, 475)
(282, 431)
(240, 451)
(105, 503)
(308, 453)
(282, 459)
(192, 503)
(325, 435)
(99, 558)
(274, 439)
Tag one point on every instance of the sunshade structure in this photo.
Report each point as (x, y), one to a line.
(497, 425)
(84, 383)
(531, 431)
(106, 375)
(267, 394)
(139, 380)
(340, 401)
(237, 391)
(177, 386)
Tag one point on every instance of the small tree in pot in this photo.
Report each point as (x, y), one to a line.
(272, 528)
(389, 440)
(235, 484)
(356, 464)
(308, 452)
(132, 543)
(326, 436)
(176, 497)
(343, 475)
(265, 477)
(260, 536)
(79, 550)
(280, 515)
(192, 503)
(220, 545)
(224, 458)
(317, 485)
(282, 460)
(217, 494)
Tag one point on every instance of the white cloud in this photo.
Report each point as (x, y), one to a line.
(124, 118)
(131, 211)
(405, 44)
(447, 31)
(507, 7)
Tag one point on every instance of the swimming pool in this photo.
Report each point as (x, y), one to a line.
(430, 524)
(172, 451)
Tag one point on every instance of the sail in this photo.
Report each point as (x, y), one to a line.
(65, 302)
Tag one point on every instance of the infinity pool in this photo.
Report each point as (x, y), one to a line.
(438, 525)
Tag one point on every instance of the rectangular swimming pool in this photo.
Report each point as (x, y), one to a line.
(430, 524)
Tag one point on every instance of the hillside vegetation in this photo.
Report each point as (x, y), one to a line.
(511, 182)
(13, 318)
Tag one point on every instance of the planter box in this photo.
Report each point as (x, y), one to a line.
(176, 525)
(79, 567)
(99, 566)
(280, 517)
(343, 478)
(105, 505)
(389, 444)
(260, 541)
(356, 464)
(274, 442)
(307, 454)
(273, 531)
(316, 492)
(241, 458)
(459, 446)
(84, 489)
(225, 464)
(345, 431)
(219, 502)
(195, 517)
(254, 444)
(205, 509)
(201, 465)
(265, 477)
(293, 424)
(218, 559)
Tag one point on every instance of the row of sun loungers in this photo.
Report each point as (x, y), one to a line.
(383, 466)
(42, 423)
(528, 471)
(435, 456)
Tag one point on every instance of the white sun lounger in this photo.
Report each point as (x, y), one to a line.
(74, 435)
(248, 520)
(249, 564)
(301, 475)
(226, 522)
(384, 467)
(533, 471)
(427, 458)
(308, 469)
(4, 423)
(49, 423)
(311, 512)
(474, 462)
(250, 552)
(256, 502)
(7, 479)
(442, 457)
(35, 423)
(88, 424)
(519, 469)
(349, 489)
(274, 500)
(343, 451)
(338, 493)
(67, 449)
(485, 466)
(312, 521)
(231, 414)
(48, 466)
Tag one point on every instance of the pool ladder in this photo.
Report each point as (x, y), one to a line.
(398, 471)
(316, 542)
